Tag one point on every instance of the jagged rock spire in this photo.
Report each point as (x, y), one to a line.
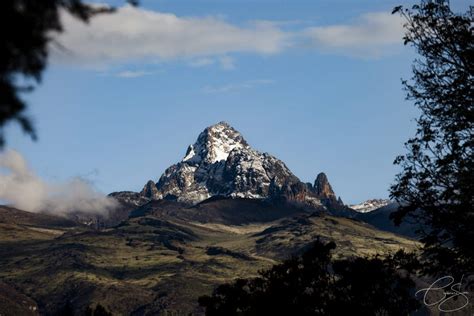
(339, 200)
(150, 190)
(322, 187)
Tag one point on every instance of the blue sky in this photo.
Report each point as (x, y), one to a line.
(315, 83)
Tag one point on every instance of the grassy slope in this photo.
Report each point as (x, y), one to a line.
(150, 264)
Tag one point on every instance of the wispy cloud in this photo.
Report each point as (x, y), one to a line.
(370, 35)
(136, 33)
(140, 35)
(133, 73)
(202, 62)
(225, 62)
(237, 86)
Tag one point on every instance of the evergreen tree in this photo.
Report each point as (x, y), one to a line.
(436, 184)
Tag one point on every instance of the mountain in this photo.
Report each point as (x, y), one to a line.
(224, 211)
(370, 205)
(222, 163)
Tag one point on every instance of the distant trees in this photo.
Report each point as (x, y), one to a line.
(314, 284)
(26, 28)
(436, 184)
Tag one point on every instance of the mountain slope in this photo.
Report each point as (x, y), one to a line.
(163, 259)
(14, 303)
(11, 215)
(17, 225)
(380, 218)
(222, 210)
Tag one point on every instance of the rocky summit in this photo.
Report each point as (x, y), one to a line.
(222, 163)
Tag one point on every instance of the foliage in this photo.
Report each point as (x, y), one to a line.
(314, 284)
(26, 30)
(436, 185)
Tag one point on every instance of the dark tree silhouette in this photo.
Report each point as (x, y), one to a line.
(436, 185)
(66, 310)
(98, 311)
(314, 284)
(26, 28)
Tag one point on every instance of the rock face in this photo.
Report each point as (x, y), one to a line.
(221, 163)
(150, 191)
(322, 187)
(129, 198)
(323, 190)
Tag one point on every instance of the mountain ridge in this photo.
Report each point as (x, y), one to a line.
(370, 205)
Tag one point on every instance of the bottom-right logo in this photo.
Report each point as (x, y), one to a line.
(445, 294)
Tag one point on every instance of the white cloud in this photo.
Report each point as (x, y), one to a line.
(20, 186)
(372, 33)
(139, 35)
(237, 86)
(136, 34)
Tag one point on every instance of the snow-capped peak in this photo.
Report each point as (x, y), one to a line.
(215, 144)
(370, 205)
(221, 163)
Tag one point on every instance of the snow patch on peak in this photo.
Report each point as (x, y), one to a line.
(214, 144)
(189, 154)
(222, 163)
(370, 205)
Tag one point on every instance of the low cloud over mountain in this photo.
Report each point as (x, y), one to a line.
(20, 186)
